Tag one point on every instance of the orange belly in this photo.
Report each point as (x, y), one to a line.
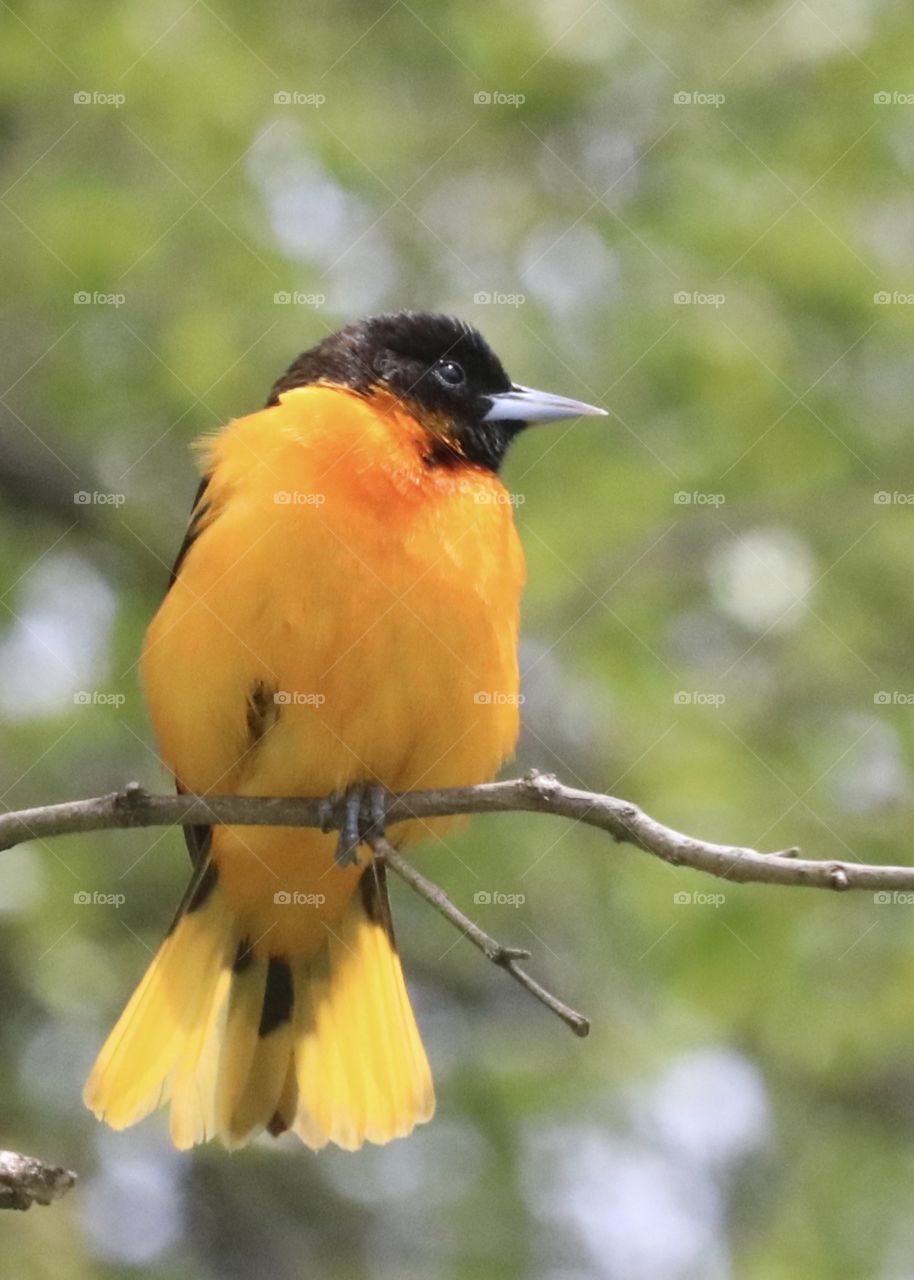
(373, 601)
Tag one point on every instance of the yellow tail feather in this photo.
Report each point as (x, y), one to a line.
(327, 1047)
(362, 1070)
(259, 1100)
(134, 1072)
(239, 1043)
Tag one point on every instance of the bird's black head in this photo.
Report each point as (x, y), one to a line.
(446, 372)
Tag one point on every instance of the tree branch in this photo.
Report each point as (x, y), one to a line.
(25, 1181)
(536, 793)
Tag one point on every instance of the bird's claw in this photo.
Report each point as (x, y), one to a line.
(364, 813)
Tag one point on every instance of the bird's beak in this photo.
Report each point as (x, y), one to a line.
(524, 404)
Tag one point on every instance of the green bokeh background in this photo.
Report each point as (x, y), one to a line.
(738, 663)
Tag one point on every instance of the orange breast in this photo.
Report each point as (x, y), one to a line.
(372, 599)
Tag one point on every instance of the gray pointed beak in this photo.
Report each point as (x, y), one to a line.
(524, 404)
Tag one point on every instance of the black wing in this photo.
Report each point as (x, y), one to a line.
(197, 514)
(199, 838)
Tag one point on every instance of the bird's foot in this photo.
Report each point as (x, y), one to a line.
(359, 813)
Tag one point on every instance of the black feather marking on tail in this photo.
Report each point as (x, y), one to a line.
(373, 889)
(277, 1125)
(202, 883)
(277, 998)
(198, 838)
(204, 888)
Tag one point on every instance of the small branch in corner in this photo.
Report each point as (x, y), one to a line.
(25, 1181)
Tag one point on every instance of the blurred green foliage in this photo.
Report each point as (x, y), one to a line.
(700, 214)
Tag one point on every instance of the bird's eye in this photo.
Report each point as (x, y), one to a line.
(449, 372)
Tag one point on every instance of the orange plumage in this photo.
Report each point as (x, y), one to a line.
(346, 612)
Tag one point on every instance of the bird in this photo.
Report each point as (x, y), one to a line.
(342, 615)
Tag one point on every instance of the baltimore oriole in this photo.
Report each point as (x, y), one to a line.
(343, 612)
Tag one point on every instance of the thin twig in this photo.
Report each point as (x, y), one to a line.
(505, 957)
(25, 1181)
(536, 793)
